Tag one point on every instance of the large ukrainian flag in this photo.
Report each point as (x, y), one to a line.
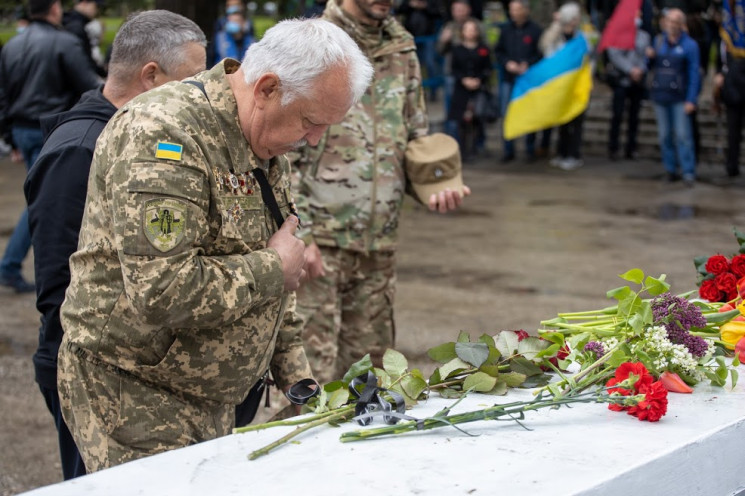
(552, 92)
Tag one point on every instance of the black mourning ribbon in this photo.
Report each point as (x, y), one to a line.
(370, 401)
(302, 391)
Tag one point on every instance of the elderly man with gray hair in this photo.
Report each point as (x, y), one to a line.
(151, 48)
(182, 288)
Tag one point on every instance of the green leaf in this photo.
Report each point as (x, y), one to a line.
(492, 370)
(435, 378)
(417, 373)
(494, 356)
(384, 379)
(634, 275)
(629, 305)
(740, 238)
(506, 343)
(333, 386)
(500, 389)
(453, 367)
(450, 393)
(720, 317)
(410, 402)
(442, 353)
(530, 347)
(485, 338)
(512, 379)
(479, 382)
(554, 337)
(636, 322)
(413, 386)
(536, 381)
(523, 366)
(617, 358)
(338, 398)
(395, 363)
(322, 402)
(656, 286)
(473, 353)
(360, 367)
(549, 352)
(464, 337)
(734, 375)
(619, 293)
(700, 263)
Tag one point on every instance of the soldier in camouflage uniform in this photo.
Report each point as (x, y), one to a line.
(350, 188)
(167, 329)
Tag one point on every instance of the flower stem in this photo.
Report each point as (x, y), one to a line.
(280, 423)
(341, 414)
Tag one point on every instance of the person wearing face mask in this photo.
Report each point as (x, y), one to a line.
(235, 37)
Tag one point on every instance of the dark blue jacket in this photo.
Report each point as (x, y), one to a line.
(519, 44)
(675, 71)
(55, 191)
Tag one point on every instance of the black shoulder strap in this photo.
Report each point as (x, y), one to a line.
(268, 195)
(199, 85)
(266, 189)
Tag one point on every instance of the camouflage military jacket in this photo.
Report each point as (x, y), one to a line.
(172, 281)
(351, 186)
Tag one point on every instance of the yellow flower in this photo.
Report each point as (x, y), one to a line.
(732, 332)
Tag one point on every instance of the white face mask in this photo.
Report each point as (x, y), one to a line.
(20, 29)
(638, 22)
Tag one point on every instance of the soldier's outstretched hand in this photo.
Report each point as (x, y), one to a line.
(447, 200)
(291, 251)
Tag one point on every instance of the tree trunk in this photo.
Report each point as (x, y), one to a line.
(203, 12)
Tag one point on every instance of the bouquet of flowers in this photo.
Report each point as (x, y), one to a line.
(679, 341)
(722, 278)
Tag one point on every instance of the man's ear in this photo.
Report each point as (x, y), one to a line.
(150, 75)
(266, 89)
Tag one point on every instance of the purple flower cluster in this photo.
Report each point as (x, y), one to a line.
(596, 347)
(678, 315)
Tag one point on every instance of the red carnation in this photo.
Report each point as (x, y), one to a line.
(654, 405)
(483, 52)
(717, 264)
(709, 291)
(738, 265)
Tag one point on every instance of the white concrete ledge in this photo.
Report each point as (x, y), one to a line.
(588, 450)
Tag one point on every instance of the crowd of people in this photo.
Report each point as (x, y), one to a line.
(675, 42)
(200, 227)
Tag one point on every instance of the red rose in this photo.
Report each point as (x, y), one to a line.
(709, 291)
(726, 282)
(521, 335)
(741, 288)
(483, 52)
(717, 264)
(738, 265)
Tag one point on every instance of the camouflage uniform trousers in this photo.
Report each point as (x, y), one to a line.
(348, 312)
(115, 418)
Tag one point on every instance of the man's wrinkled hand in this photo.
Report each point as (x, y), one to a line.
(291, 252)
(447, 200)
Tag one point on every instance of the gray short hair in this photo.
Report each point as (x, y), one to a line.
(298, 51)
(152, 36)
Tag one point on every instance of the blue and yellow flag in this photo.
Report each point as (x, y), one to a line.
(171, 151)
(552, 92)
(733, 28)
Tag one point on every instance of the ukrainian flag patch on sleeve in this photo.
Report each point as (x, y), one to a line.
(171, 151)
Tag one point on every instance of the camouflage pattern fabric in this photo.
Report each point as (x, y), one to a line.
(351, 186)
(350, 311)
(172, 283)
(350, 189)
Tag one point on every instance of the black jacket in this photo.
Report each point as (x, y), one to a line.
(519, 44)
(74, 22)
(43, 71)
(55, 191)
(733, 91)
(468, 62)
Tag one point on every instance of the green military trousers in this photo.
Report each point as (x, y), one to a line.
(348, 312)
(115, 418)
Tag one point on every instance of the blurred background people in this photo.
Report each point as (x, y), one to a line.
(516, 50)
(565, 27)
(471, 69)
(423, 19)
(676, 82)
(626, 72)
(43, 70)
(236, 35)
(76, 20)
